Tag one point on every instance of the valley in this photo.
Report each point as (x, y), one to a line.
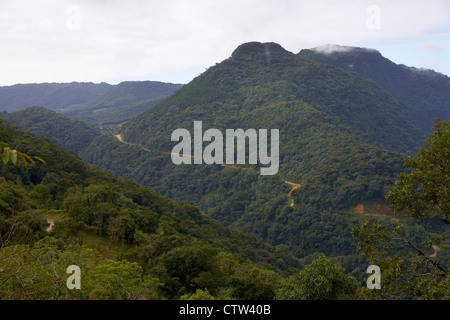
(224, 228)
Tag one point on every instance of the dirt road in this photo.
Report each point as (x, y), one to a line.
(293, 184)
(294, 187)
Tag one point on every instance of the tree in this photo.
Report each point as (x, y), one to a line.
(112, 280)
(320, 280)
(410, 270)
(198, 295)
(425, 191)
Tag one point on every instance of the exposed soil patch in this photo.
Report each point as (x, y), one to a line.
(120, 138)
(436, 250)
(51, 221)
(359, 208)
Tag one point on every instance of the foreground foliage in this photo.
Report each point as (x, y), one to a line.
(415, 267)
(129, 242)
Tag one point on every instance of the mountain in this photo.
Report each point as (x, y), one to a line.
(92, 103)
(422, 94)
(343, 139)
(122, 101)
(266, 73)
(70, 134)
(50, 95)
(129, 241)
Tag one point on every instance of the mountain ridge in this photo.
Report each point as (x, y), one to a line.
(50, 94)
(423, 94)
(343, 138)
(88, 101)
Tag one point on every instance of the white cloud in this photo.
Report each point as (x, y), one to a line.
(137, 39)
(332, 48)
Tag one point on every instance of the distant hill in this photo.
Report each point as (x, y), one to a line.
(92, 103)
(422, 94)
(343, 139)
(122, 101)
(70, 134)
(49, 95)
(156, 247)
(235, 92)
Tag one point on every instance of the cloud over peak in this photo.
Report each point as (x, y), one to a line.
(334, 48)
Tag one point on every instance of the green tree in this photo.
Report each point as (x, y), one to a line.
(408, 270)
(198, 295)
(425, 191)
(41, 193)
(118, 280)
(320, 280)
(411, 265)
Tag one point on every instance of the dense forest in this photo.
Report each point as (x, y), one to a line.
(225, 231)
(130, 242)
(122, 102)
(96, 104)
(422, 94)
(51, 95)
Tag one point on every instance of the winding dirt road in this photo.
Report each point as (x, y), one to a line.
(293, 184)
(294, 187)
(51, 221)
(436, 250)
(120, 138)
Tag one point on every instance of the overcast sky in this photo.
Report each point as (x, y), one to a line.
(175, 40)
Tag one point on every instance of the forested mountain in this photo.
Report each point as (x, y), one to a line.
(343, 139)
(130, 242)
(49, 95)
(259, 76)
(339, 138)
(422, 94)
(93, 103)
(122, 101)
(70, 134)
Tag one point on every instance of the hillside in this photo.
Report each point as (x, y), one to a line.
(343, 139)
(92, 103)
(422, 94)
(49, 95)
(259, 76)
(130, 242)
(340, 138)
(70, 134)
(122, 102)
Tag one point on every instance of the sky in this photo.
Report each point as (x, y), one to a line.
(176, 40)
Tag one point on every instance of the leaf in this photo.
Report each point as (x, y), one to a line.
(27, 157)
(22, 161)
(40, 159)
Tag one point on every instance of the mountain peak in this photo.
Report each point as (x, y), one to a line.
(268, 51)
(415, 89)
